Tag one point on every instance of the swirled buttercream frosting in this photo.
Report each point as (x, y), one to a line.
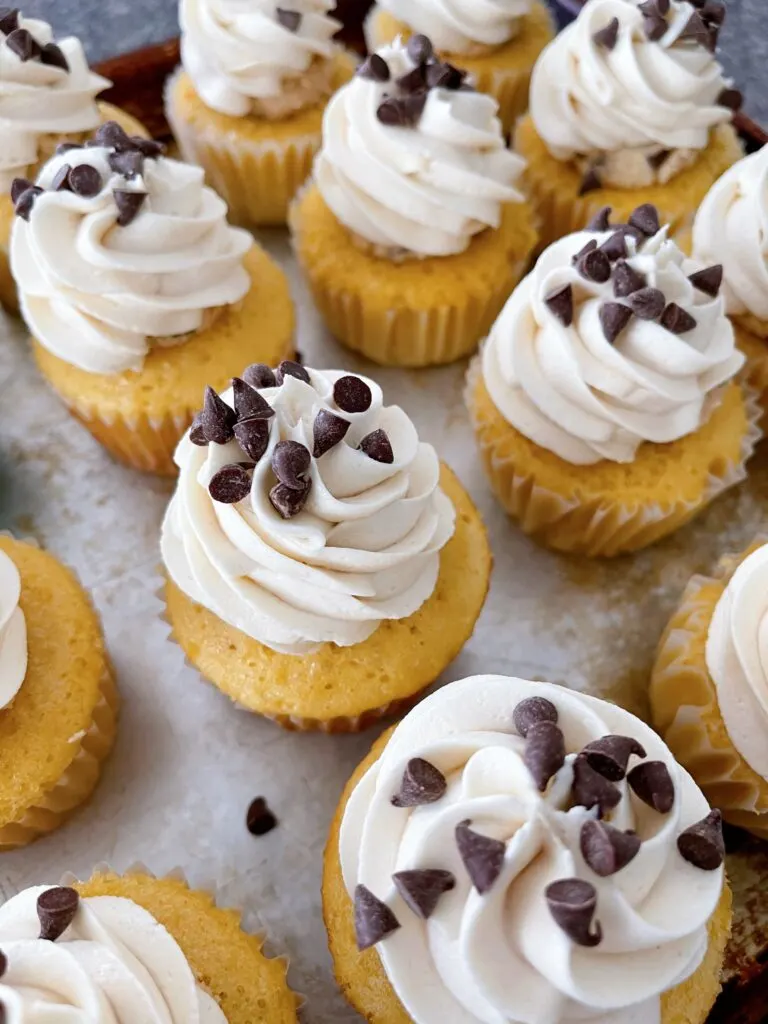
(13, 632)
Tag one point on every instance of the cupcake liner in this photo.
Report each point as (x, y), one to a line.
(593, 527)
(685, 708)
(755, 348)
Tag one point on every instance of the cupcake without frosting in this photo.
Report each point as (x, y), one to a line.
(605, 402)
(132, 283)
(314, 548)
(518, 851)
(412, 231)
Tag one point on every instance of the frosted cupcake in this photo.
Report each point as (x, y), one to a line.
(517, 851)
(138, 292)
(629, 104)
(247, 103)
(496, 42)
(47, 94)
(412, 232)
(323, 567)
(605, 402)
(709, 691)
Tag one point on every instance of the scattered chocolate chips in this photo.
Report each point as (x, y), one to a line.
(147, 147)
(249, 404)
(544, 753)
(26, 201)
(677, 320)
(590, 182)
(23, 44)
(419, 49)
(85, 181)
(589, 247)
(129, 163)
(601, 221)
(615, 247)
(253, 436)
(708, 280)
(19, 186)
(60, 181)
(112, 136)
(560, 304)
(422, 783)
(291, 461)
(713, 12)
(444, 76)
(607, 37)
(614, 317)
(217, 418)
(230, 484)
(654, 27)
(289, 19)
(594, 266)
(651, 8)
(572, 903)
(287, 501)
(378, 447)
(647, 303)
(421, 890)
(652, 783)
(646, 219)
(414, 80)
(53, 55)
(591, 789)
(482, 856)
(531, 711)
(607, 849)
(9, 19)
(290, 368)
(328, 430)
(374, 68)
(373, 919)
(697, 30)
(259, 819)
(56, 909)
(733, 99)
(702, 844)
(128, 205)
(610, 755)
(352, 394)
(259, 375)
(401, 111)
(626, 280)
(196, 432)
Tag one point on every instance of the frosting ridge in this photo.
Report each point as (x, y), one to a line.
(461, 26)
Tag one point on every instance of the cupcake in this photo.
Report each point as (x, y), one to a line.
(497, 43)
(629, 104)
(247, 102)
(326, 571)
(606, 403)
(137, 292)
(516, 851)
(47, 94)
(709, 685)
(133, 947)
(58, 702)
(412, 232)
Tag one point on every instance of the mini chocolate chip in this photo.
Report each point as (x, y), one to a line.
(289, 19)
(594, 266)
(654, 27)
(9, 19)
(606, 37)
(53, 55)
(413, 81)
(230, 484)
(646, 219)
(652, 783)
(591, 789)
(249, 404)
(696, 30)
(217, 418)
(590, 182)
(677, 320)
(19, 186)
(401, 111)
(663, 7)
(374, 68)
(572, 903)
(196, 432)
(421, 890)
(287, 501)
(328, 430)
(444, 76)
(610, 755)
(614, 317)
(655, 160)
(606, 849)
(23, 44)
(482, 856)
(85, 181)
(626, 280)
(702, 844)
(708, 280)
(3, 963)
(26, 201)
(352, 394)
(373, 919)
(419, 49)
(259, 819)
(56, 909)
(647, 303)
(601, 221)
(378, 447)
(149, 148)
(422, 783)
(649, 8)
(291, 461)
(615, 247)
(129, 163)
(112, 136)
(733, 99)
(128, 205)
(544, 753)
(532, 710)
(259, 375)
(60, 181)
(713, 12)
(560, 304)
(290, 368)
(253, 436)
(589, 247)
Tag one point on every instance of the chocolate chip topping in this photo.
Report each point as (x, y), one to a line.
(444, 76)
(714, 12)
(560, 304)
(572, 903)
(646, 219)
(287, 501)
(85, 181)
(249, 404)
(419, 48)
(698, 31)
(591, 789)
(590, 182)
(607, 36)
(259, 819)
(56, 909)
(594, 266)
(352, 394)
(532, 710)
(289, 19)
(606, 849)
(615, 247)
(626, 280)
(614, 317)
(544, 753)
(129, 163)
(414, 81)
(128, 205)
(19, 186)
(677, 320)
(23, 44)
(708, 280)
(66, 147)
(217, 418)
(60, 181)
(3, 963)
(401, 111)
(421, 890)
(601, 220)
(610, 755)
(9, 19)
(422, 783)
(647, 303)
(702, 844)
(290, 368)
(196, 432)
(253, 436)
(53, 56)
(377, 446)
(259, 375)
(652, 783)
(373, 919)
(733, 99)
(290, 464)
(654, 26)
(482, 856)
(328, 430)
(26, 201)
(374, 68)
(230, 484)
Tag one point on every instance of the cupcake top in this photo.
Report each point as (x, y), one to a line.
(241, 52)
(45, 88)
(116, 246)
(413, 161)
(307, 511)
(614, 338)
(633, 89)
(522, 852)
(13, 632)
(737, 658)
(462, 26)
(102, 959)
(733, 222)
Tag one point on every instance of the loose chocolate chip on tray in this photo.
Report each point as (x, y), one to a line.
(731, 98)
(378, 447)
(352, 394)
(702, 844)
(259, 819)
(23, 44)
(196, 432)
(60, 181)
(652, 783)
(615, 247)
(677, 320)
(544, 753)
(610, 755)
(53, 55)
(56, 909)
(259, 375)
(626, 280)
(85, 181)
(614, 317)
(287, 501)
(9, 20)
(289, 19)
(328, 430)
(607, 849)
(128, 205)
(591, 789)
(230, 484)
(532, 710)
(560, 304)
(217, 418)
(601, 220)
(647, 303)
(373, 919)
(19, 186)
(374, 68)
(291, 461)
(290, 368)
(708, 280)
(594, 266)
(253, 436)
(482, 856)
(422, 783)
(419, 49)
(129, 163)
(249, 404)
(590, 182)
(646, 219)
(607, 37)
(572, 903)
(26, 201)
(421, 890)
(401, 111)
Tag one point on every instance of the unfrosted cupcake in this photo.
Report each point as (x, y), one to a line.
(517, 851)
(138, 292)
(58, 702)
(605, 402)
(133, 947)
(247, 103)
(629, 104)
(412, 231)
(497, 41)
(709, 690)
(323, 567)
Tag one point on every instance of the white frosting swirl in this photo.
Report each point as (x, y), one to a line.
(568, 389)
(98, 295)
(731, 228)
(500, 958)
(586, 98)
(428, 188)
(13, 632)
(737, 659)
(238, 51)
(115, 964)
(461, 26)
(41, 99)
(365, 548)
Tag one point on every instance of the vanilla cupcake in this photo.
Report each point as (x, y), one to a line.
(605, 402)
(412, 232)
(322, 566)
(247, 102)
(497, 42)
(629, 104)
(517, 851)
(138, 292)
